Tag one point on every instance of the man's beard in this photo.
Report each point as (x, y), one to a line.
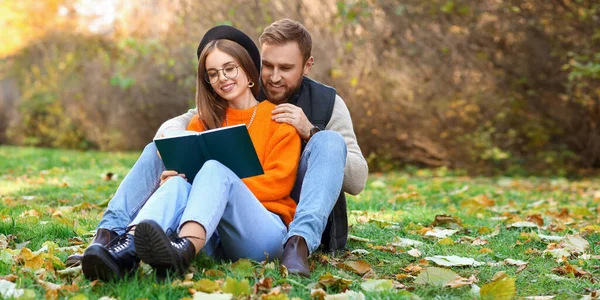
(285, 96)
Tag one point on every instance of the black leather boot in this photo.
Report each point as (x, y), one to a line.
(295, 256)
(162, 252)
(112, 261)
(102, 237)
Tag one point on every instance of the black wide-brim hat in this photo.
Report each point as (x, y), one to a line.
(233, 34)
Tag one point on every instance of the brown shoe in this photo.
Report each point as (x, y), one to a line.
(295, 256)
(102, 237)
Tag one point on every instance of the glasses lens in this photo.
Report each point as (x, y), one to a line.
(230, 72)
(211, 76)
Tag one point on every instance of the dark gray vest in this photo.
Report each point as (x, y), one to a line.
(317, 100)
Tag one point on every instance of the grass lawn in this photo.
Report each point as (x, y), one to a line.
(515, 237)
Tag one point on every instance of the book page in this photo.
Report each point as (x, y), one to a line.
(176, 133)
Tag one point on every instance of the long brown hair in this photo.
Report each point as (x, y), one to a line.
(211, 107)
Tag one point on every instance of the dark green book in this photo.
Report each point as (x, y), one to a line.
(188, 151)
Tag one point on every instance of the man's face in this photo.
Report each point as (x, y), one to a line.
(282, 70)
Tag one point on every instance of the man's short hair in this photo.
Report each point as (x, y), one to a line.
(286, 30)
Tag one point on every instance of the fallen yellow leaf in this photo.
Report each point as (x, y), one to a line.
(503, 287)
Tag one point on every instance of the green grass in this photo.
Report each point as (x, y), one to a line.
(56, 195)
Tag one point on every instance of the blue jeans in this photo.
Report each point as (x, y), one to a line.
(318, 184)
(133, 192)
(238, 225)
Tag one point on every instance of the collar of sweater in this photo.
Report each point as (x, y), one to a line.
(236, 116)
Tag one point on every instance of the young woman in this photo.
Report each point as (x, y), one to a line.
(219, 213)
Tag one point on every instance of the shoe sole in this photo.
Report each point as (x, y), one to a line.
(154, 248)
(97, 263)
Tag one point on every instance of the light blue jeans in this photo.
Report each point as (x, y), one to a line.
(238, 225)
(140, 183)
(318, 184)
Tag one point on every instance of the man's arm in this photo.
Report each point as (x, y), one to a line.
(176, 123)
(356, 169)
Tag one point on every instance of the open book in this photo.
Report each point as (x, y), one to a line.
(187, 151)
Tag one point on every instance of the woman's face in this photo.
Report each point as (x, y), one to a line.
(226, 76)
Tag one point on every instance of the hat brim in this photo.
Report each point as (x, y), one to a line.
(233, 34)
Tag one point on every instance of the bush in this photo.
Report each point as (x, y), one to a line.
(86, 92)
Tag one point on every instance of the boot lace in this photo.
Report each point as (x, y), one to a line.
(120, 242)
(179, 241)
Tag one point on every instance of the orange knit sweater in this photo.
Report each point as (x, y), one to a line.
(278, 149)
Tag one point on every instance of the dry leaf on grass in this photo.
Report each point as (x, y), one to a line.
(359, 267)
(360, 252)
(589, 256)
(412, 269)
(446, 242)
(454, 261)
(536, 219)
(494, 233)
(551, 238)
(359, 239)
(405, 243)
(362, 219)
(522, 224)
(575, 243)
(568, 269)
(385, 224)
(440, 233)
(474, 241)
(447, 221)
(283, 271)
(435, 276)
(264, 285)
(502, 287)
(205, 296)
(514, 262)
(558, 254)
(414, 253)
(347, 295)
(214, 273)
(237, 287)
(207, 286)
(556, 277)
(377, 285)
(72, 271)
(317, 293)
(3, 242)
(328, 280)
(461, 281)
(592, 296)
(9, 290)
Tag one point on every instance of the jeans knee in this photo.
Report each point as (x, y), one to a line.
(213, 168)
(150, 147)
(175, 181)
(330, 141)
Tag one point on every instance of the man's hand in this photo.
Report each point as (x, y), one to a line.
(293, 115)
(168, 174)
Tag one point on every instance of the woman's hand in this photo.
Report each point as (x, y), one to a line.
(168, 174)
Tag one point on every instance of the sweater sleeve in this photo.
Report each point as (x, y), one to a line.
(280, 165)
(356, 169)
(177, 123)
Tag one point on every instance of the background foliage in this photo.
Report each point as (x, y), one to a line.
(489, 86)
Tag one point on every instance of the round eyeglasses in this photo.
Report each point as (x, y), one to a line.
(229, 72)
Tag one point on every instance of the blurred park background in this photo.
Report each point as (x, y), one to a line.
(487, 86)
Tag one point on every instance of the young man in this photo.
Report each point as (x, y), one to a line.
(331, 162)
